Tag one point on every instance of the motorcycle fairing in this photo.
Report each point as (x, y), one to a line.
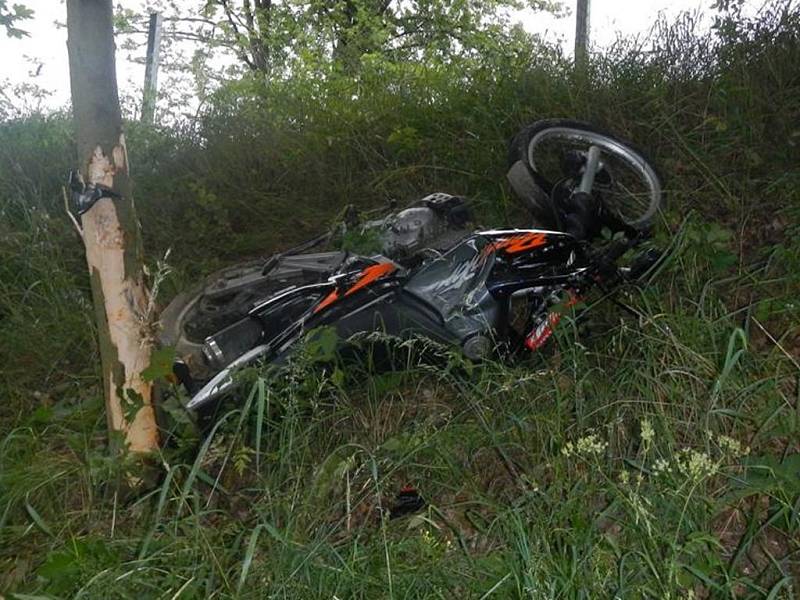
(363, 279)
(548, 258)
(517, 243)
(458, 298)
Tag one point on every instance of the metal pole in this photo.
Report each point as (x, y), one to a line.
(151, 69)
(581, 32)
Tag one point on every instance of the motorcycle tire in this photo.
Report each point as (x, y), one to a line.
(523, 146)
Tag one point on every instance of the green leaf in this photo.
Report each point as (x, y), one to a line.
(8, 17)
(321, 344)
(68, 565)
(42, 415)
(132, 403)
(337, 377)
(161, 362)
(58, 564)
(37, 518)
(766, 474)
(723, 260)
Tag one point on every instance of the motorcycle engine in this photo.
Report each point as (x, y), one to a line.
(436, 222)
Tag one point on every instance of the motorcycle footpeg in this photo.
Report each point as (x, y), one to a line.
(643, 263)
(184, 376)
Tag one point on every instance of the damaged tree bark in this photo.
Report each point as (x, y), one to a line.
(110, 227)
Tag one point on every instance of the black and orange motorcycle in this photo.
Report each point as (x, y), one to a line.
(490, 293)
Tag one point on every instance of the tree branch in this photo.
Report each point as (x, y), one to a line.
(241, 53)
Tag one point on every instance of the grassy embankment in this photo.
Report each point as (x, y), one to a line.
(659, 458)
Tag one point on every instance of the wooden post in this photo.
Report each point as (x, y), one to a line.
(110, 228)
(151, 69)
(582, 33)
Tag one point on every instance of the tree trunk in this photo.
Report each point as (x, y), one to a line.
(110, 228)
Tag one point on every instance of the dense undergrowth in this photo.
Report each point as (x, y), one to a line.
(652, 454)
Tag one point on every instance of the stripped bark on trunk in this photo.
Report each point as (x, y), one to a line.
(110, 228)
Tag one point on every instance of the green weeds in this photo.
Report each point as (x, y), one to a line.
(636, 465)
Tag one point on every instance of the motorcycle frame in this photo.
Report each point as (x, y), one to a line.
(536, 262)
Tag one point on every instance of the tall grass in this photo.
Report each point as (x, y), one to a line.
(655, 460)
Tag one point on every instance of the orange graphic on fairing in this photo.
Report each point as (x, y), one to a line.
(366, 277)
(518, 243)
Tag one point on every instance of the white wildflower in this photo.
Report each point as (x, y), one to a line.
(662, 466)
(732, 447)
(695, 465)
(427, 538)
(648, 434)
(585, 447)
(568, 449)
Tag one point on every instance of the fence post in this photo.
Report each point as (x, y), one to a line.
(151, 69)
(581, 33)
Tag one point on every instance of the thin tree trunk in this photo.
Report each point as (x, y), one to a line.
(110, 228)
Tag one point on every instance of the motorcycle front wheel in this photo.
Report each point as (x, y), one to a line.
(629, 183)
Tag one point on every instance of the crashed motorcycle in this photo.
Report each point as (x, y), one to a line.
(487, 292)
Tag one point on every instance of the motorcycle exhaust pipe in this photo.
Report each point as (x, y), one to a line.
(225, 346)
